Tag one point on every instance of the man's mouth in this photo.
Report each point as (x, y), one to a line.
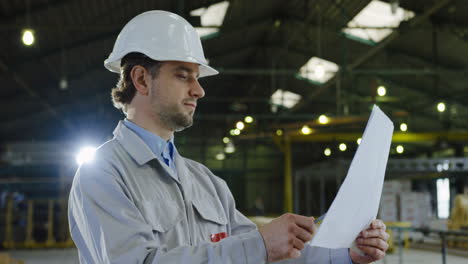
(191, 104)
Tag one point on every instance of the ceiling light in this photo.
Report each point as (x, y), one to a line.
(232, 132)
(306, 130)
(441, 107)
(343, 147)
(240, 125)
(327, 152)
(28, 37)
(376, 14)
(226, 140)
(63, 84)
(85, 154)
(381, 91)
(400, 149)
(279, 132)
(318, 70)
(220, 156)
(229, 148)
(237, 132)
(285, 98)
(248, 119)
(403, 127)
(211, 18)
(323, 119)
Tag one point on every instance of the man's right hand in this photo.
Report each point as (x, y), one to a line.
(286, 235)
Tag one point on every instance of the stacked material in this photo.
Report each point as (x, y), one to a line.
(415, 207)
(398, 203)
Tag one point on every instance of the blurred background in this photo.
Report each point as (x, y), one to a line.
(280, 123)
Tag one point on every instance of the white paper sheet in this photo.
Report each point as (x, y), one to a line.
(357, 201)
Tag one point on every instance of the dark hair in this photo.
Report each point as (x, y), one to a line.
(123, 93)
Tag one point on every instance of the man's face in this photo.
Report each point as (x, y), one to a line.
(174, 94)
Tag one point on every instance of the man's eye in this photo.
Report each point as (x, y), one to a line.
(182, 77)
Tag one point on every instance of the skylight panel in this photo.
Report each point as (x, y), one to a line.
(211, 17)
(377, 14)
(318, 70)
(285, 99)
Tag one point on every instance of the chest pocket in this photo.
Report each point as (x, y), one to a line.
(212, 217)
(161, 215)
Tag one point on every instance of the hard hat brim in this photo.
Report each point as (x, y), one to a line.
(113, 65)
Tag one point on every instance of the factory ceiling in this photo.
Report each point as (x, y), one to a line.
(57, 88)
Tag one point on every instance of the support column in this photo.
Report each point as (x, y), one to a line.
(288, 197)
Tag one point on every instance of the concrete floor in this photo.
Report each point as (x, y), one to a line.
(70, 256)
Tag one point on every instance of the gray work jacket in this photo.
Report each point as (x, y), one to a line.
(127, 207)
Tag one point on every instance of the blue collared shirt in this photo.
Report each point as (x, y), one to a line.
(164, 150)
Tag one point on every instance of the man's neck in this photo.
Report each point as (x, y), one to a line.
(151, 125)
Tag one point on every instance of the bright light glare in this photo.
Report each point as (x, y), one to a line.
(400, 149)
(220, 156)
(381, 91)
(441, 107)
(28, 37)
(86, 154)
(248, 119)
(226, 140)
(306, 130)
(323, 119)
(279, 132)
(443, 198)
(403, 127)
(327, 152)
(359, 141)
(230, 148)
(343, 147)
(237, 132)
(240, 125)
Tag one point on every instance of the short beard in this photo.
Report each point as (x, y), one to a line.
(174, 119)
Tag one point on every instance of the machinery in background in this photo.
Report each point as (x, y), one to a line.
(459, 220)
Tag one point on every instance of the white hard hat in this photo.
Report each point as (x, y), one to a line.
(162, 36)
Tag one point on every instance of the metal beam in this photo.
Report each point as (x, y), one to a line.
(398, 137)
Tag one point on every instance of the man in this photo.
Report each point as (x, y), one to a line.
(141, 202)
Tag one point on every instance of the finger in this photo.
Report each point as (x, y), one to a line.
(372, 252)
(378, 224)
(373, 242)
(294, 253)
(305, 222)
(298, 244)
(301, 233)
(377, 233)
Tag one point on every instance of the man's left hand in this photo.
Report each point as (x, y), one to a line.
(372, 242)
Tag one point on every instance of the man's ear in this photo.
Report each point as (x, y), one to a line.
(140, 79)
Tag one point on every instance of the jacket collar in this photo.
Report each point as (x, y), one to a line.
(133, 144)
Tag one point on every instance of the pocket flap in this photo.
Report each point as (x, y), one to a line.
(210, 210)
(162, 216)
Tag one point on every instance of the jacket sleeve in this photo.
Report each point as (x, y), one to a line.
(317, 255)
(107, 227)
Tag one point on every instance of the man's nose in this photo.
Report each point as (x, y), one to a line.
(197, 90)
